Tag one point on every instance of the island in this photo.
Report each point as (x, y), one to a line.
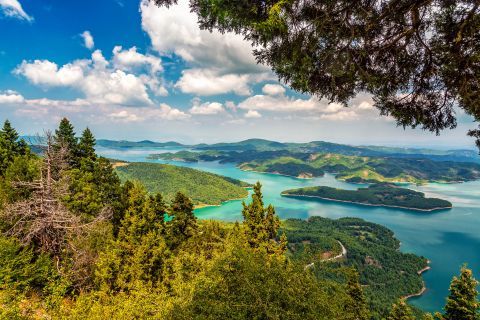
(205, 189)
(381, 194)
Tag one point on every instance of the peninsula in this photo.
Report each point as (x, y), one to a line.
(382, 194)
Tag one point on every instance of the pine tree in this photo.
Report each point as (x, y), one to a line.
(86, 145)
(10, 146)
(65, 137)
(462, 303)
(137, 257)
(401, 311)
(358, 304)
(184, 223)
(262, 224)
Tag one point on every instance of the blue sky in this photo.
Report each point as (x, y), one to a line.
(130, 70)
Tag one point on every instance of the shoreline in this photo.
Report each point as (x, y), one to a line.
(366, 204)
(424, 287)
(280, 174)
(201, 206)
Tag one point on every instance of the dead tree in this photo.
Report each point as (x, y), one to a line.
(42, 220)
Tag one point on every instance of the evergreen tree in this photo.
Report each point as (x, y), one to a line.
(357, 305)
(184, 223)
(86, 145)
(65, 137)
(262, 224)
(401, 311)
(10, 146)
(137, 258)
(462, 303)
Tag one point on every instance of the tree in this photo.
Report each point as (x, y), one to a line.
(184, 223)
(137, 257)
(357, 305)
(262, 224)
(10, 146)
(462, 303)
(401, 311)
(42, 220)
(86, 145)
(419, 59)
(65, 137)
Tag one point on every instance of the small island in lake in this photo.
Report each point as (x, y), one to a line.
(381, 194)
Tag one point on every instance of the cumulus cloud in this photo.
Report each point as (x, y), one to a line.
(275, 100)
(11, 97)
(102, 81)
(253, 114)
(273, 89)
(13, 8)
(88, 40)
(131, 59)
(207, 108)
(206, 82)
(220, 63)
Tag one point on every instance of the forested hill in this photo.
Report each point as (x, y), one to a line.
(350, 168)
(204, 188)
(376, 195)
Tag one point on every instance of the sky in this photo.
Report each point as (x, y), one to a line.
(130, 70)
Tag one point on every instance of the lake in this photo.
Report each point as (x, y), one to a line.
(447, 238)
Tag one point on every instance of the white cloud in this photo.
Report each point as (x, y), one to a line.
(253, 114)
(207, 82)
(207, 108)
(44, 72)
(221, 63)
(130, 59)
(13, 8)
(11, 97)
(102, 81)
(275, 100)
(273, 89)
(340, 116)
(365, 105)
(88, 40)
(281, 104)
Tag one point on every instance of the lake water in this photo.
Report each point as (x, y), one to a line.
(447, 238)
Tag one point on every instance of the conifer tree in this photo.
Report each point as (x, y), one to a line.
(86, 145)
(184, 223)
(10, 146)
(65, 137)
(262, 224)
(462, 303)
(358, 304)
(401, 311)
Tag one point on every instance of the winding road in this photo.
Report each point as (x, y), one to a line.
(343, 254)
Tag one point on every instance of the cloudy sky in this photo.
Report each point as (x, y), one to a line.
(130, 70)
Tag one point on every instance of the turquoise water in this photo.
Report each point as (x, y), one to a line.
(447, 238)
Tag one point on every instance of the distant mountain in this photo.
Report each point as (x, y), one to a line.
(264, 145)
(250, 144)
(123, 144)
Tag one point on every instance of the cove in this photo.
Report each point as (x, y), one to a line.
(447, 238)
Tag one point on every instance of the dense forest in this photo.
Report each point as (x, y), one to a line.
(202, 187)
(352, 168)
(77, 243)
(381, 194)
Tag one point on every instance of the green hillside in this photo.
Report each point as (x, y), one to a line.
(376, 195)
(346, 167)
(204, 188)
